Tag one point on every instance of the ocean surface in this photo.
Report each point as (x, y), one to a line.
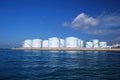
(59, 65)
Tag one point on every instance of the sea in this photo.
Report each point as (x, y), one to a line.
(59, 65)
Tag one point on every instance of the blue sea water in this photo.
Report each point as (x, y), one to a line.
(59, 65)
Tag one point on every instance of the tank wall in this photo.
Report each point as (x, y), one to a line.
(45, 43)
(82, 43)
(36, 43)
(89, 44)
(27, 43)
(54, 42)
(103, 44)
(79, 43)
(71, 42)
(96, 43)
(62, 43)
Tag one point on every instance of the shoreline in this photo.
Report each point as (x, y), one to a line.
(69, 49)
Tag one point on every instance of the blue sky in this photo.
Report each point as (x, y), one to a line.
(85, 19)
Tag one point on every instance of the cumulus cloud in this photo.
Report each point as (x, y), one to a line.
(103, 24)
(83, 21)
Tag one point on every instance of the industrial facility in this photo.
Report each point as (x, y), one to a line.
(69, 42)
(95, 43)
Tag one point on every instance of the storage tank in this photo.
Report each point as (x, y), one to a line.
(45, 43)
(27, 43)
(95, 43)
(36, 43)
(54, 42)
(103, 44)
(71, 42)
(89, 44)
(62, 43)
(81, 43)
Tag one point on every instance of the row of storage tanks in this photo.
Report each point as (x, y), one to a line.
(69, 42)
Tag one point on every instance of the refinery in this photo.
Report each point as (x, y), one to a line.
(69, 42)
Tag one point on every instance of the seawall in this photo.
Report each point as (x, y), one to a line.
(69, 49)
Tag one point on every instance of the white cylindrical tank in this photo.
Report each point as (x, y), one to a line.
(71, 42)
(54, 42)
(95, 43)
(27, 43)
(62, 43)
(89, 44)
(103, 44)
(81, 43)
(45, 43)
(36, 43)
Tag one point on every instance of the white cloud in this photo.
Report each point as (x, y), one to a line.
(103, 24)
(103, 32)
(83, 21)
(110, 19)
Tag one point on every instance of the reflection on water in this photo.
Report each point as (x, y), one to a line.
(36, 51)
(59, 65)
(54, 51)
(73, 51)
(95, 51)
(67, 59)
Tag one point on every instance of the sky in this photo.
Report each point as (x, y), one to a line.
(85, 19)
